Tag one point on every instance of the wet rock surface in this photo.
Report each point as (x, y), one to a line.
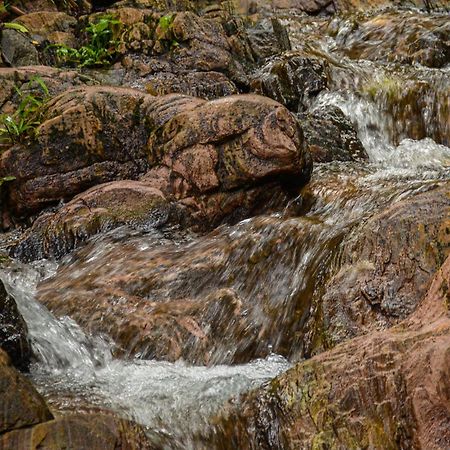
(13, 331)
(293, 79)
(386, 390)
(97, 210)
(330, 136)
(387, 266)
(171, 186)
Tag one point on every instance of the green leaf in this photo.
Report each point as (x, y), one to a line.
(6, 179)
(16, 26)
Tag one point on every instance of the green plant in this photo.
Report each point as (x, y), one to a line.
(15, 26)
(165, 22)
(6, 179)
(101, 48)
(19, 125)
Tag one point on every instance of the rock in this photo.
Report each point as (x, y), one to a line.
(56, 80)
(22, 406)
(101, 208)
(207, 85)
(17, 49)
(91, 148)
(185, 45)
(330, 136)
(212, 300)
(228, 143)
(193, 148)
(401, 37)
(326, 7)
(389, 389)
(13, 331)
(387, 266)
(54, 27)
(293, 79)
(91, 431)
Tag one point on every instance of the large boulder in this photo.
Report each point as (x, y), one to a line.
(13, 331)
(386, 390)
(208, 156)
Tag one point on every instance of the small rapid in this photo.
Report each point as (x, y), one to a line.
(74, 369)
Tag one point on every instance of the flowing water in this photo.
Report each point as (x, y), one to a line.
(275, 265)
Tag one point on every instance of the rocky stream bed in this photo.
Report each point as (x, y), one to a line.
(225, 225)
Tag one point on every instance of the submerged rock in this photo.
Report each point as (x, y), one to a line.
(13, 331)
(386, 390)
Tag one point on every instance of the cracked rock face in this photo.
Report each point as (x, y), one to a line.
(389, 389)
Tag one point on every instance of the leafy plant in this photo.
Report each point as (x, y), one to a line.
(28, 115)
(101, 49)
(165, 22)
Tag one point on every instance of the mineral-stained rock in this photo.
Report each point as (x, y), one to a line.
(387, 266)
(13, 331)
(193, 148)
(21, 406)
(330, 136)
(90, 135)
(90, 431)
(99, 209)
(228, 143)
(293, 79)
(386, 390)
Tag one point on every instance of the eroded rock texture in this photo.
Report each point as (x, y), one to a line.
(386, 390)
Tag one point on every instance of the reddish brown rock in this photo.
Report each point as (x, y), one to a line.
(386, 390)
(78, 145)
(387, 266)
(99, 209)
(22, 406)
(91, 431)
(54, 27)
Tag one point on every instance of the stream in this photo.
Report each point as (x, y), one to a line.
(274, 263)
